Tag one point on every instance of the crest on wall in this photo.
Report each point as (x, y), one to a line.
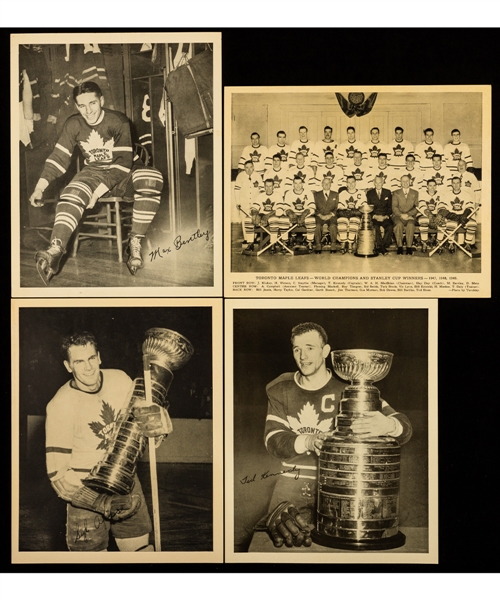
(356, 104)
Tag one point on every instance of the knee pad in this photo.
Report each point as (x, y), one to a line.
(147, 181)
(136, 544)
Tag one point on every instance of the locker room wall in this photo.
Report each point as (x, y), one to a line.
(414, 111)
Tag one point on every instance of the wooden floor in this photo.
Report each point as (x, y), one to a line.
(96, 265)
(419, 262)
(186, 509)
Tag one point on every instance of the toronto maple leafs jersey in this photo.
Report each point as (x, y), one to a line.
(267, 204)
(106, 145)
(336, 174)
(321, 148)
(415, 175)
(373, 150)
(428, 202)
(470, 184)
(80, 425)
(397, 152)
(293, 411)
(424, 153)
(299, 203)
(351, 200)
(387, 175)
(305, 147)
(346, 150)
(456, 203)
(455, 152)
(442, 177)
(278, 177)
(247, 188)
(283, 151)
(363, 175)
(256, 155)
(305, 173)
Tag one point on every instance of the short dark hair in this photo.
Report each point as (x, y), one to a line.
(327, 127)
(437, 156)
(269, 180)
(398, 128)
(254, 133)
(382, 154)
(277, 156)
(456, 177)
(306, 327)
(429, 129)
(281, 131)
(455, 131)
(351, 127)
(375, 129)
(85, 88)
(329, 153)
(248, 162)
(80, 338)
(303, 127)
(410, 156)
(432, 180)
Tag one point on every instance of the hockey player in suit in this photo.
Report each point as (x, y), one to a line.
(381, 200)
(327, 202)
(105, 140)
(404, 209)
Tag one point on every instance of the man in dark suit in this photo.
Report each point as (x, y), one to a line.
(404, 210)
(381, 200)
(326, 208)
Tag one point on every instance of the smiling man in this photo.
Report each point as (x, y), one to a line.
(104, 138)
(82, 419)
(302, 409)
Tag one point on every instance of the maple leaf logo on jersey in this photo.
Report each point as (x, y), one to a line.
(456, 154)
(350, 151)
(429, 152)
(438, 177)
(381, 174)
(431, 205)
(308, 421)
(255, 156)
(284, 156)
(96, 149)
(468, 183)
(358, 174)
(328, 149)
(104, 431)
(351, 203)
(330, 175)
(374, 151)
(255, 184)
(277, 182)
(301, 175)
(304, 149)
(268, 205)
(398, 150)
(299, 205)
(457, 203)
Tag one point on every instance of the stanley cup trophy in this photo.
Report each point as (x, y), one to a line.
(366, 234)
(164, 351)
(358, 486)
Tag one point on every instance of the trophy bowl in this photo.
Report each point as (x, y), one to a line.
(366, 208)
(168, 348)
(361, 365)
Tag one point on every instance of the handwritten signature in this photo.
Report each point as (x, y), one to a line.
(248, 479)
(81, 534)
(179, 243)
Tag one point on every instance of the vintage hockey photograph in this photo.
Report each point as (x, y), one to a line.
(115, 164)
(331, 431)
(372, 182)
(117, 411)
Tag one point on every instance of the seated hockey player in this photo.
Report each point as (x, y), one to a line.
(263, 213)
(301, 170)
(300, 210)
(104, 138)
(326, 214)
(456, 206)
(381, 200)
(428, 217)
(349, 214)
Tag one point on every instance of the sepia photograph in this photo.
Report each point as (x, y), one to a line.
(331, 431)
(383, 191)
(116, 145)
(117, 411)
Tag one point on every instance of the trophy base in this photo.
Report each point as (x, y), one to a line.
(395, 541)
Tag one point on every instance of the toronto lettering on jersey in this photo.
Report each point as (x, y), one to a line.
(266, 474)
(179, 243)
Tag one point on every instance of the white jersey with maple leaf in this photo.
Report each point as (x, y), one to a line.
(345, 152)
(397, 153)
(470, 183)
(373, 149)
(415, 175)
(456, 152)
(321, 148)
(428, 202)
(456, 203)
(424, 153)
(300, 202)
(80, 425)
(441, 176)
(278, 177)
(256, 155)
(283, 151)
(362, 173)
(305, 147)
(305, 173)
(351, 200)
(106, 145)
(336, 174)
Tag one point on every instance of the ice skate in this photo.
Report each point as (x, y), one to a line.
(134, 260)
(47, 261)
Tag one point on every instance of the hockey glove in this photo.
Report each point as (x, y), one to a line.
(153, 420)
(290, 526)
(113, 507)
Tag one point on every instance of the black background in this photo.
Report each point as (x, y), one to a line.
(468, 397)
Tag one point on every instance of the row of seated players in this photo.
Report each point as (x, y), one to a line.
(397, 212)
(249, 183)
(315, 152)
